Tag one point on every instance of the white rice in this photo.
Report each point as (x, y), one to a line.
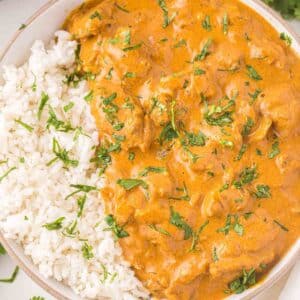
(34, 194)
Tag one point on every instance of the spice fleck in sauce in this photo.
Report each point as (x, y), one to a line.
(198, 109)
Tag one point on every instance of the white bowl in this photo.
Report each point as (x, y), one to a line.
(41, 26)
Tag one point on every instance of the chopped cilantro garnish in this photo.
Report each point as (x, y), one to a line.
(106, 274)
(118, 126)
(148, 170)
(157, 104)
(81, 202)
(255, 95)
(12, 277)
(57, 124)
(131, 156)
(252, 73)
(167, 19)
(204, 52)
(134, 47)
(127, 37)
(206, 23)
(131, 183)
(285, 37)
(247, 38)
(89, 97)
(177, 220)
(258, 152)
(22, 26)
(224, 188)
(238, 200)
(247, 215)
(245, 177)
(194, 139)
(241, 152)
(275, 150)
(87, 251)
(243, 282)
(219, 115)
(96, 15)
(263, 191)
(61, 154)
(231, 70)
(225, 23)
(129, 75)
(110, 108)
(117, 230)
(80, 188)
(167, 133)
(75, 77)
(262, 266)
(198, 72)
(55, 225)
(114, 41)
(196, 234)
(26, 126)
(128, 104)
(102, 156)
(172, 113)
(159, 229)
(227, 143)
(247, 127)
(109, 74)
(210, 173)
(2, 250)
(69, 230)
(123, 9)
(3, 162)
(185, 84)
(232, 223)
(185, 196)
(7, 173)
(180, 43)
(215, 255)
(34, 86)
(68, 106)
(194, 157)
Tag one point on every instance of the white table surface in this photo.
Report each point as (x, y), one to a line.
(12, 14)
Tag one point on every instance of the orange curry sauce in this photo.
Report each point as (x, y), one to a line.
(198, 109)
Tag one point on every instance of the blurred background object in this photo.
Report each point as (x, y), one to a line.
(289, 9)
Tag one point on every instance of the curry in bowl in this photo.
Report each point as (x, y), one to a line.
(197, 106)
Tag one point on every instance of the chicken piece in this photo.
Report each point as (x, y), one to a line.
(261, 131)
(218, 202)
(229, 58)
(260, 243)
(272, 53)
(192, 267)
(158, 103)
(288, 163)
(89, 19)
(117, 113)
(281, 104)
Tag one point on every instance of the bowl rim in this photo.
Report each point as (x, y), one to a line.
(257, 289)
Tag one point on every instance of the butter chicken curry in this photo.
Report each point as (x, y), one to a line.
(198, 109)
